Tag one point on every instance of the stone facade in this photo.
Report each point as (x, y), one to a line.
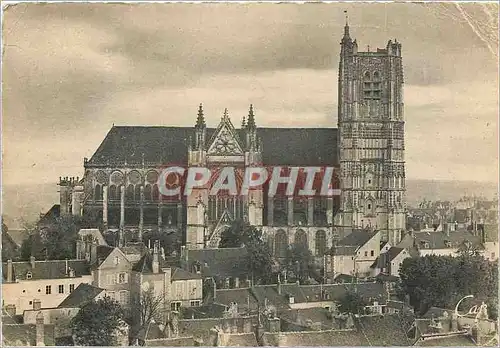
(371, 138)
(120, 185)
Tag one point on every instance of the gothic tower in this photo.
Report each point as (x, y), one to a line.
(371, 138)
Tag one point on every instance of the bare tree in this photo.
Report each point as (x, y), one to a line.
(143, 310)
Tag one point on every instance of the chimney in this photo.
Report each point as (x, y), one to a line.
(32, 261)
(93, 252)
(40, 334)
(215, 288)
(10, 271)
(156, 260)
(236, 282)
(37, 304)
(66, 268)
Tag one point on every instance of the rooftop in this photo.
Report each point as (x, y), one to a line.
(160, 145)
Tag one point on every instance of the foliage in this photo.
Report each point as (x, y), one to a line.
(54, 241)
(441, 281)
(143, 310)
(300, 262)
(468, 249)
(259, 259)
(97, 323)
(352, 303)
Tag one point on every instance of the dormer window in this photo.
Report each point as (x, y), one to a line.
(447, 243)
(29, 275)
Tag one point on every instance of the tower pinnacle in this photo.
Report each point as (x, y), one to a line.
(346, 27)
(251, 119)
(200, 120)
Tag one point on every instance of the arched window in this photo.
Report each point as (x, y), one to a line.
(113, 194)
(130, 193)
(280, 211)
(301, 238)
(280, 244)
(98, 192)
(320, 243)
(147, 192)
(137, 193)
(156, 193)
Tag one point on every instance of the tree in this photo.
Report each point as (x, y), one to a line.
(143, 310)
(300, 262)
(468, 249)
(55, 241)
(352, 303)
(97, 323)
(442, 281)
(235, 235)
(259, 258)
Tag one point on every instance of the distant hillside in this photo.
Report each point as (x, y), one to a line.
(26, 202)
(445, 190)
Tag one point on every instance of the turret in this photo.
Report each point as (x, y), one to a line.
(251, 131)
(200, 130)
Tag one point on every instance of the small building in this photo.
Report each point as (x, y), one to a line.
(41, 284)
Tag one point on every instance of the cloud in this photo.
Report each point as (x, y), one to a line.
(72, 70)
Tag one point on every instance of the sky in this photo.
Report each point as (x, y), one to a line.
(71, 71)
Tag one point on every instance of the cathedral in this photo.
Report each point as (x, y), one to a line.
(120, 184)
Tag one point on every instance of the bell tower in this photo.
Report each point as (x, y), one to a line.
(371, 139)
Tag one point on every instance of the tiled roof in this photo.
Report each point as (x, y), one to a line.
(145, 264)
(456, 340)
(210, 310)
(171, 342)
(437, 240)
(269, 294)
(241, 340)
(83, 294)
(304, 317)
(490, 232)
(357, 238)
(103, 252)
(160, 145)
(393, 252)
(224, 262)
(50, 269)
(25, 335)
(344, 250)
(180, 274)
(242, 297)
(198, 328)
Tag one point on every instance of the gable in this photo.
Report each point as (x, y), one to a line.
(116, 260)
(225, 141)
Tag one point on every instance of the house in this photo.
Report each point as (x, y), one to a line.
(445, 243)
(389, 262)
(177, 286)
(353, 254)
(225, 266)
(41, 284)
(112, 271)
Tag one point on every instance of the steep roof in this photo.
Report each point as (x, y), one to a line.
(50, 269)
(219, 262)
(25, 335)
(357, 238)
(145, 264)
(83, 294)
(18, 236)
(180, 274)
(160, 145)
(393, 252)
(437, 240)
